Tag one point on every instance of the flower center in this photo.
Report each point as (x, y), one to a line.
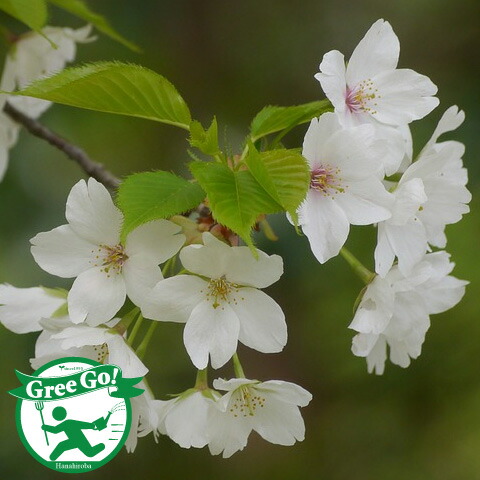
(101, 352)
(219, 289)
(362, 98)
(325, 179)
(245, 403)
(110, 258)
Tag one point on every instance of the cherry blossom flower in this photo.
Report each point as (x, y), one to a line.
(430, 195)
(370, 87)
(270, 408)
(8, 138)
(185, 418)
(22, 309)
(345, 187)
(402, 235)
(395, 311)
(62, 338)
(144, 417)
(223, 307)
(440, 167)
(25, 310)
(90, 249)
(31, 58)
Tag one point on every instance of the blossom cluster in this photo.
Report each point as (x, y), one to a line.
(362, 172)
(219, 299)
(31, 58)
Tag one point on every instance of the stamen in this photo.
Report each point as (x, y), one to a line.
(326, 179)
(110, 258)
(101, 352)
(245, 403)
(219, 290)
(362, 98)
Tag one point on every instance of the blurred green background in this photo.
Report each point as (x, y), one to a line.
(230, 59)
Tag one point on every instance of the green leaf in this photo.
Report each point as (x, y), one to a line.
(80, 9)
(275, 119)
(205, 140)
(152, 195)
(114, 87)
(284, 175)
(32, 13)
(236, 198)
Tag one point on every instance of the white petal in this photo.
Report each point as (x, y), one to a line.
(120, 354)
(95, 297)
(173, 299)
(157, 240)
(407, 136)
(433, 161)
(404, 96)
(141, 275)
(355, 151)
(384, 254)
(365, 202)
(144, 417)
(82, 34)
(409, 197)
(377, 357)
(186, 422)
(44, 340)
(363, 344)
(211, 331)
(209, 260)
(399, 354)
(48, 347)
(62, 252)
(450, 121)
(409, 242)
(318, 133)
(376, 308)
(444, 295)
(279, 422)
(378, 51)
(81, 335)
(58, 353)
(325, 224)
(4, 155)
(332, 78)
(228, 434)
(262, 321)
(92, 214)
(163, 407)
(395, 144)
(286, 392)
(232, 384)
(21, 309)
(243, 268)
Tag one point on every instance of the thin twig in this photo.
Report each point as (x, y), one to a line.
(90, 167)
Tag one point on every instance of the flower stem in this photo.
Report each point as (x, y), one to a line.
(237, 366)
(142, 348)
(135, 329)
(201, 382)
(147, 385)
(169, 266)
(363, 272)
(122, 326)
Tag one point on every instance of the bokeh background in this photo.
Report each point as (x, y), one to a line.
(230, 59)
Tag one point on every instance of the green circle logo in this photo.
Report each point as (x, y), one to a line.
(73, 414)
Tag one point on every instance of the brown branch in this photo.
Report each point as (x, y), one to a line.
(90, 167)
